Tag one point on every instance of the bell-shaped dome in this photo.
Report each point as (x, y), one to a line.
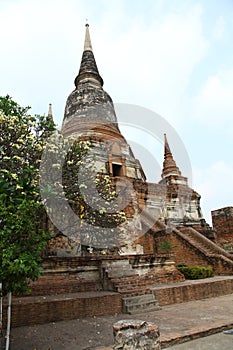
(88, 103)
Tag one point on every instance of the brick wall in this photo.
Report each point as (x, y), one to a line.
(185, 253)
(192, 248)
(222, 220)
(148, 243)
(40, 310)
(68, 275)
(130, 286)
(182, 251)
(193, 290)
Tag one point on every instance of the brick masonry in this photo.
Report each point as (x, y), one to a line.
(222, 220)
(73, 287)
(68, 275)
(193, 290)
(183, 252)
(44, 309)
(192, 248)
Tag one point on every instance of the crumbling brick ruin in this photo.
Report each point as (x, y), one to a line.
(223, 224)
(168, 211)
(90, 115)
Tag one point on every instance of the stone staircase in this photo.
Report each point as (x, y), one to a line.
(131, 286)
(140, 303)
(214, 255)
(204, 243)
(118, 268)
(135, 289)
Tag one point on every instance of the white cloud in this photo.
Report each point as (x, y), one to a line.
(213, 106)
(155, 60)
(148, 62)
(215, 186)
(39, 42)
(148, 58)
(219, 29)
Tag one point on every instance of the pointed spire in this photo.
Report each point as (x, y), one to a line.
(50, 112)
(87, 42)
(169, 164)
(167, 151)
(88, 72)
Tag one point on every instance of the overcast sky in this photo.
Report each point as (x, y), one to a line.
(172, 57)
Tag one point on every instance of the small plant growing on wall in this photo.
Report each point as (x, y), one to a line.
(228, 247)
(166, 246)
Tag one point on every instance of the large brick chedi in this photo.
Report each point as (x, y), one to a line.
(90, 115)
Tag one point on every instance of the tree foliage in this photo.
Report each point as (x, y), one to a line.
(22, 140)
(69, 171)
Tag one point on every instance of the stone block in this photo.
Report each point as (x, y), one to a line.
(136, 334)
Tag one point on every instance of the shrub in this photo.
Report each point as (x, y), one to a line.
(181, 265)
(196, 272)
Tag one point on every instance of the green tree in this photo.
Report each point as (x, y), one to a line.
(22, 140)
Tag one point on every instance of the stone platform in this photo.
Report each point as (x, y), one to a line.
(52, 308)
(177, 323)
(180, 292)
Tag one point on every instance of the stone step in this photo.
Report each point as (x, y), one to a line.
(200, 245)
(195, 238)
(135, 284)
(114, 272)
(125, 279)
(135, 278)
(130, 287)
(117, 269)
(134, 292)
(134, 287)
(144, 309)
(139, 304)
(138, 299)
